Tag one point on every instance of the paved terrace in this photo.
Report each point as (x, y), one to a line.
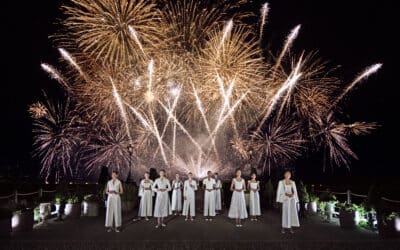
(89, 233)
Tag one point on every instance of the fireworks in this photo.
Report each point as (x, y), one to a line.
(57, 137)
(365, 74)
(264, 13)
(184, 83)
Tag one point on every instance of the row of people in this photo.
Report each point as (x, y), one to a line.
(286, 194)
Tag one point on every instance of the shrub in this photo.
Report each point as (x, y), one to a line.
(72, 199)
(58, 199)
(303, 194)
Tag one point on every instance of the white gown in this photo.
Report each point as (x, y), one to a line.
(146, 198)
(209, 197)
(289, 209)
(238, 202)
(113, 213)
(218, 202)
(189, 202)
(162, 207)
(177, 196)
(254, 206)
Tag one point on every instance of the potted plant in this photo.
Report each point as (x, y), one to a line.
(58, 200)
(22, 220)
(5, 222)
(327, 202)
(388, 227)
(347, 216)
(129, 198)
(90, 205)
(330, 208)
(312, 204)
(36, 214)
(22, 217)
(72, 207)
(361, 215)
(304, 197)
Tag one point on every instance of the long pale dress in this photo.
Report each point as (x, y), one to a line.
(238, 202)
(209, 197)
(113, 213)
(189, 193)
(146, 198)
(289, 209)
(218, 202)
(254, 206)
(162, 207)
(177, 196)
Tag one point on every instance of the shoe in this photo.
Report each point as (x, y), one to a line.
(255, 219)
(237, 225)
(210, 219)
(192, 219)
(283, 231)
(206, 219)
(109, 230)
(240, 225)
(117, 230)
(157, 226)
(291, 231)
(163, 225)
(186, 219)
(147, 219)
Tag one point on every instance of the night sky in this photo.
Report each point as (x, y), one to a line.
(352, 35)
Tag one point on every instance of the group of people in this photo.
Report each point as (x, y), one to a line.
(163, 207)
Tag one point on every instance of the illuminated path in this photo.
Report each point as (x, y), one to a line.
(89, 233)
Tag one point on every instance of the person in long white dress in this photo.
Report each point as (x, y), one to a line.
(113, 212)
(287, 195)
(177, 195)
(218, 201)
(254, 207)
(209, 197)
(238, 209)
(162, 207)
(146, 197)
(189, 197)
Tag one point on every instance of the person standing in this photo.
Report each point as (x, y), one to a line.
(238, 210)
(189, 197)
(218, 201)
(113, 212)
(254, 207)
(287, 195)
(209, 197)
(162, 207)
(146, 197)
(177, 195)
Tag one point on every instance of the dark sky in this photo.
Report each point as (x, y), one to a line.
(353, 34)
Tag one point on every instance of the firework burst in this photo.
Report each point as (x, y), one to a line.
(56, 139)
(182, 83)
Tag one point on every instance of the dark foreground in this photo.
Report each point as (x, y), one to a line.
(89, 233)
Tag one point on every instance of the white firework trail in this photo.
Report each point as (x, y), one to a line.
(362, 76)
(135, 37)
(184, 130)
(288, 44)
(54, 74)
(227, 30)
(264, 14)
(288, 84)
(121, 108)
(200, 108)
(67, 56)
